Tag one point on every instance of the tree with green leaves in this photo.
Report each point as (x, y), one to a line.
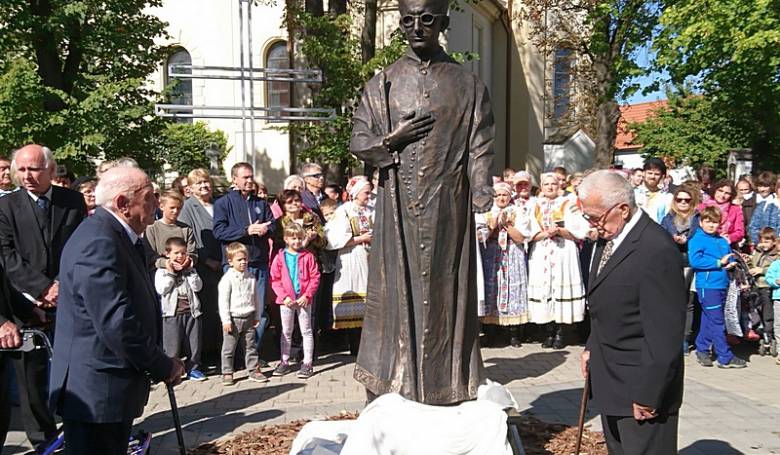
(603, 38)
(730, 50)
(690, 129)
(327, 42)
(73, 77)
(185, 146)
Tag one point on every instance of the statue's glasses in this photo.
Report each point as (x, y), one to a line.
(426, 19)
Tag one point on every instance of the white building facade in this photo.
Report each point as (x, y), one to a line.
(208, 33)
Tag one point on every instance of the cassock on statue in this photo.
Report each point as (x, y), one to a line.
(420, 332)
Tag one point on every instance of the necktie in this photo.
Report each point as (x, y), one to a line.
(604, 256)
(139, 248)
(43, 204)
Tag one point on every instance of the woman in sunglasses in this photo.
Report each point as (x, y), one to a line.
(681, 223)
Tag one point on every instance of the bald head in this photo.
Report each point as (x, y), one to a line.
(117, 181)
(33, 167)
(128, 193)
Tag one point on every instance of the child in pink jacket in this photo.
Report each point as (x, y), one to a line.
(294, 279)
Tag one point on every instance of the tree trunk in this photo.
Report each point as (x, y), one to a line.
(368, 36)
(607, 116)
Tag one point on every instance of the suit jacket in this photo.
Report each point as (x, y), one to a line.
(109, 332)
(30, 255)
(637, 309)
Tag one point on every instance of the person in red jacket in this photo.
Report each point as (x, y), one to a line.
(294, 279)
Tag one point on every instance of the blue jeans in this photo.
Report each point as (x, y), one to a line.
(261, 275)
(712, 331)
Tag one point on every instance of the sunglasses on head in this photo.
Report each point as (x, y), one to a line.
(426, 19)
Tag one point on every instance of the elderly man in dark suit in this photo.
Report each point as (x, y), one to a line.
(636, 296)
(108, 344)
(35, 224)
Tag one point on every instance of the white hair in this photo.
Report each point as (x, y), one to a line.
(293, 178)
(48, 158)
(308, 167)
(609, 187)
(116, 181)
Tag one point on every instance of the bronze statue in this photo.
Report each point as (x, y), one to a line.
(426, 123)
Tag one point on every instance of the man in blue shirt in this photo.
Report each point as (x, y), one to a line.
(240, 216)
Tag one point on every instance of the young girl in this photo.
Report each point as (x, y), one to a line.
(294, 279)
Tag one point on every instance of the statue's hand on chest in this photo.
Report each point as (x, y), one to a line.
(409, 129)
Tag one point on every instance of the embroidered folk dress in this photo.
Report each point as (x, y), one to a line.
(504, 267)
(351, 280)
(555, 291)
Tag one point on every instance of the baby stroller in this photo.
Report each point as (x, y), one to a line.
(750, 305)
(33, 340)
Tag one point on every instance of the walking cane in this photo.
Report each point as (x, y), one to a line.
(176, 420)
(583, 409)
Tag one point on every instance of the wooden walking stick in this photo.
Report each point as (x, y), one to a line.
(583, 409)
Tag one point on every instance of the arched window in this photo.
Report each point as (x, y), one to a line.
(181, 92)
(278, 93)
(562, 79)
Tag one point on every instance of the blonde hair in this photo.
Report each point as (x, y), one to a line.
(197, 175)
(234, 248)
(294, 230)
(172, 195)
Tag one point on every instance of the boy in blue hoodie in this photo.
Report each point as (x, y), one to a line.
(710, 257)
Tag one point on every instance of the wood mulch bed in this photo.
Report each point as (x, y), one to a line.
(539, 438)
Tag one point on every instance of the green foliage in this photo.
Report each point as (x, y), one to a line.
(329, 44)
(691, 130)
(183, 146)
(73, 77)
(731, 50)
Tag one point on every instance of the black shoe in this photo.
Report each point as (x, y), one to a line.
(282, 369)
(558, 342)
(548, 342)
(262, 363)
(514, 341)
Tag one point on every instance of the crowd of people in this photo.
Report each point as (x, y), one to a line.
(227, 268)
(533, 239)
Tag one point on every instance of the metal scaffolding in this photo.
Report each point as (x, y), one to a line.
(246, 75)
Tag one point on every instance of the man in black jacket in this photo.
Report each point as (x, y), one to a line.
(9, 339)
(35, 224)
(636, 297)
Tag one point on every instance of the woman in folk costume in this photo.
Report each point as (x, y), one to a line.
(556, 294)
(350, 232)
(501, 233)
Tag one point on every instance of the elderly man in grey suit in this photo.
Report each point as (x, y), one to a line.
(108, 346)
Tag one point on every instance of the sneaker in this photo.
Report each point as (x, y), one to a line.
(282, 369)
(704, 359)
(735, 362)
(196, 375)
(257, 376)
(305, 372)
(262, 363)
(227, 379)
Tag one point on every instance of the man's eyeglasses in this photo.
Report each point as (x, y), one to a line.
(315, 176)
(599, 220)
(682, 200)
(426, 19)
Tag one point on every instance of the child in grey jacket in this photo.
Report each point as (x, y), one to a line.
(178, 284)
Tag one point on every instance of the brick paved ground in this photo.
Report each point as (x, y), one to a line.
(725, 411)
